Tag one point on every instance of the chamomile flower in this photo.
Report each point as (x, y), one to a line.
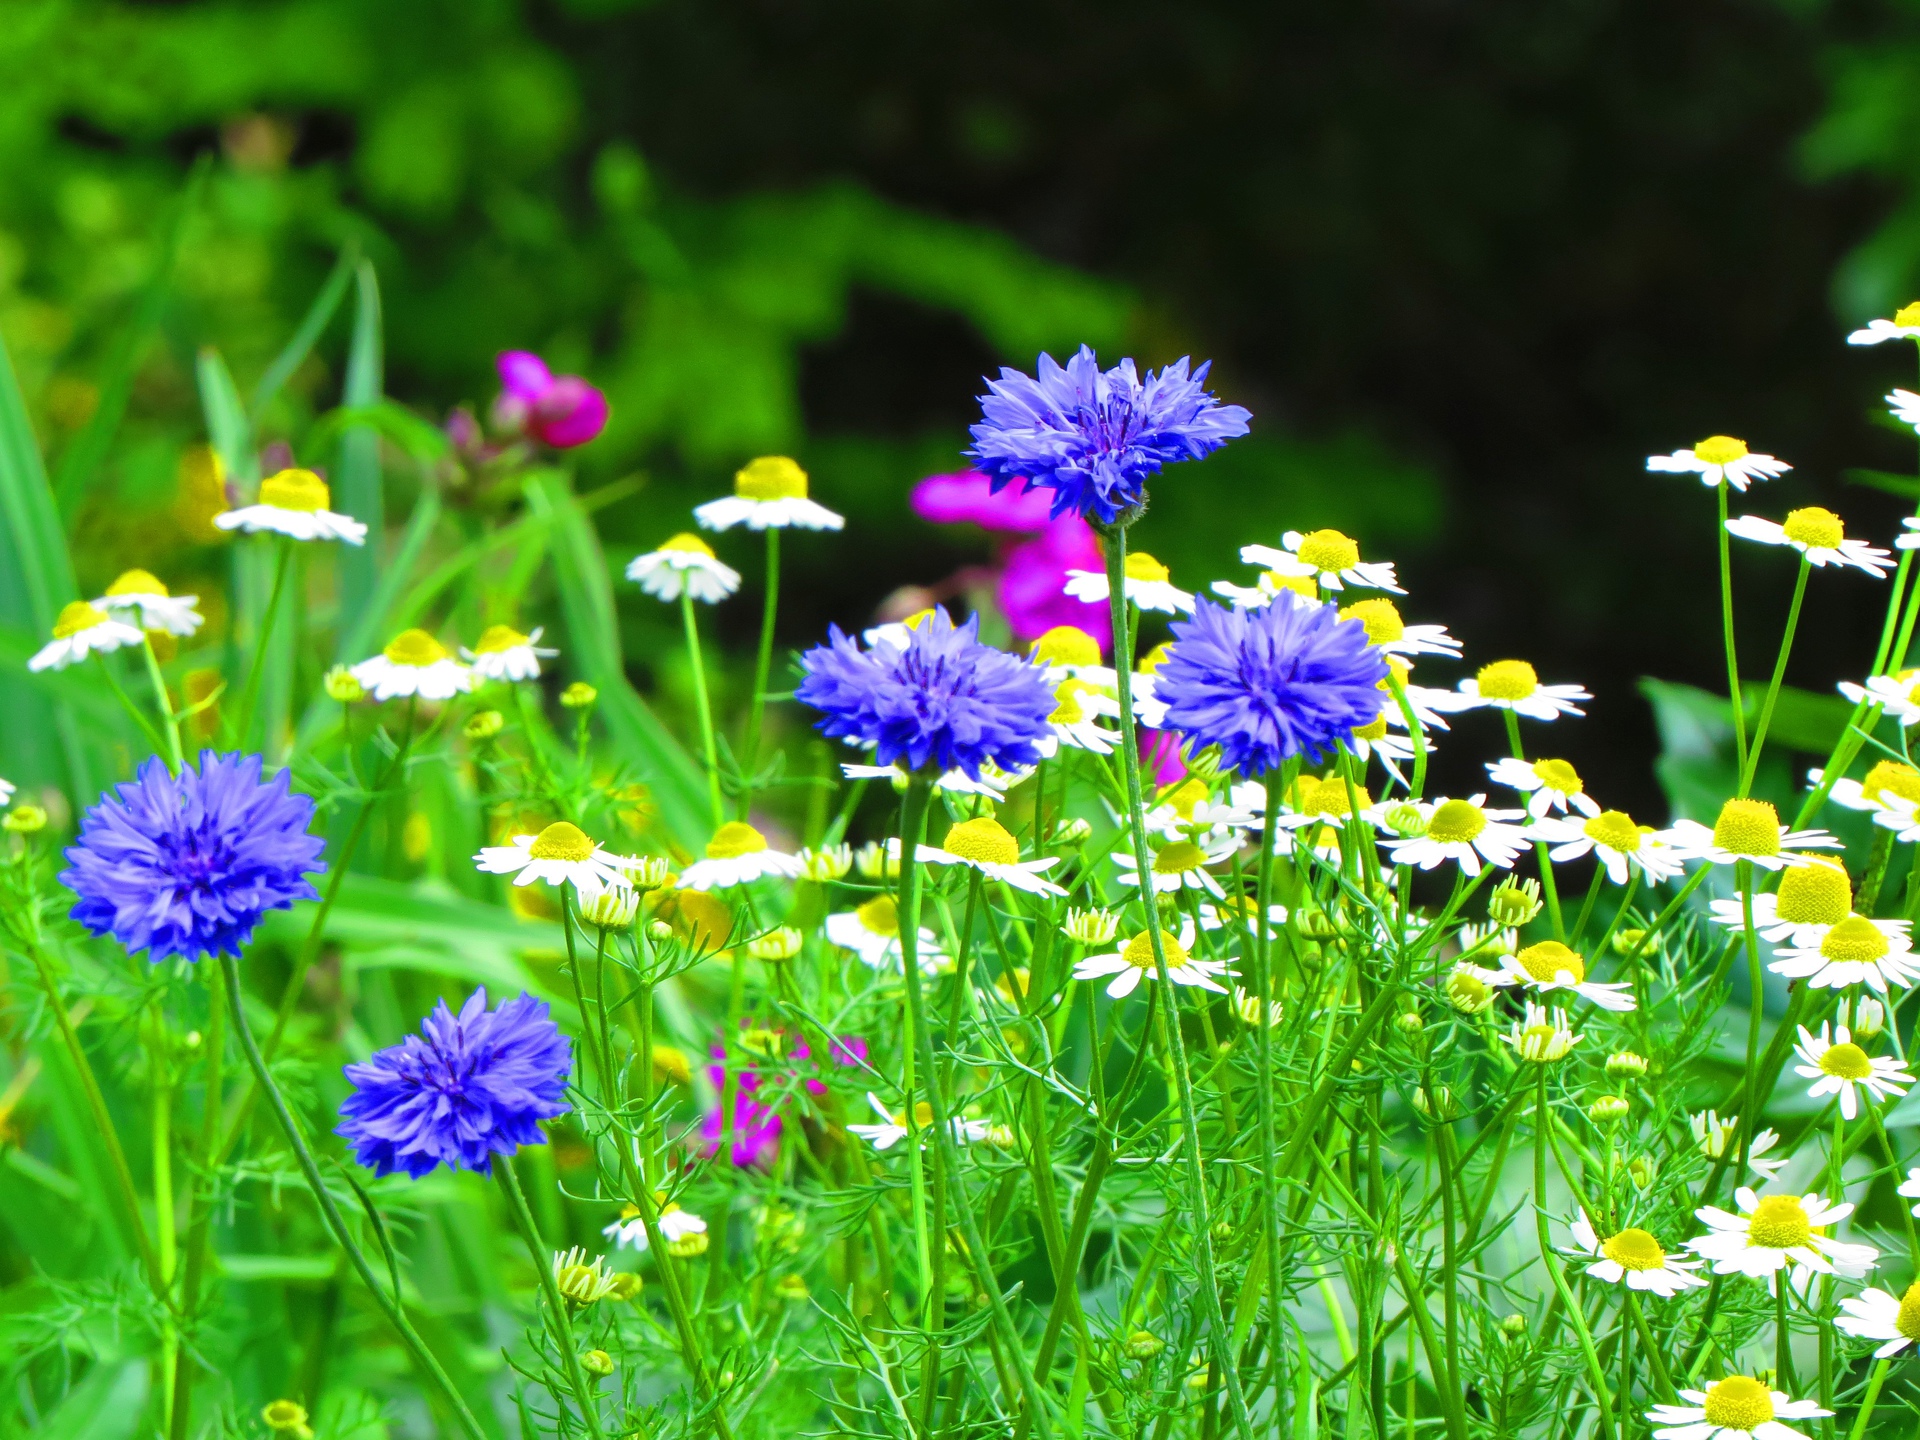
(503, 653)
(1749, 830)
(1838, 1065)
(1736, 1408)
(1910, 540)
(1905, 325)
(1149, 586)
(1388, 632)
(1550, 966)
(893, 1128)
(1177, 865)
(414, 663)
(1542, 1036)
(1810, 901)
(561, 854)
(738, 854)
(1514, 685)
(993, 782)
(1189, 812)
(829, 862)
(1857, 951)
(1817, 534)
(1720, 460)
(82, 630)
(139, 598)
(1633, 1255)
(986, 845)
(674, 1225)
(1133, 962)
(1463, 831)
(1888, 787)
(1075, 720)
(294, 503)
(1550, 785)
(1326, 556)
(1897, 695)
(1314, 800)
(769, 494)
(1712, 1135)
(872, 931)
(1910, 1187)
(684, 565)
(1614, 840)
(1873, 1314)
(1067, 650)
(1776, 1233)
(1905, 406)
(1372, 742)
(1266, 589)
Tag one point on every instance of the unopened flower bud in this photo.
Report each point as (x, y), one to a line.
(1640, 1171)
(792, 1287)
(1315, 924)
(579, 695)
(341, 686)
(1409, 1023)
(287, 1419)
(1467, 992)
(1406, 821)
(780, 943)
(1091, 927)
(1248, 1007)
(623, 1285)
(1001, 1137)
(688, 1246)
(1075, 831)
(1222, 1230)
(1869, 1017)
(1437, 1103)
(1514, 1326)
(191, 1040)
(1514, 902)
(870, 860)
(1607, 1109)
(1625, 1065)
(659, 930)
(486, 725)
(1627, 941)
(610, 909)
(597, 1362)
(1143, 1345)
(25, 820)
(670, 1064)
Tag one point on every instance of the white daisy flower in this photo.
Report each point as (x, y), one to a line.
(1905, 406)
(1811, 900)
(1837, 1065)
(1514, 685)
(1817, 534)
(1779, 1232)
(1720, 460)
(1388, 633)
(986, 845)
(769, 494)
(892, 1128)
(1430, 706)
(684, 565)
(675, 1225)
(1735, 1408)
(1910, 540)
(139, 598)
(1373, 742)
(1550, 785)
(1542, 1036)
(1749, 830)
(829, 862)
(1712, 1135)
(1889, 789)
(561, 854)
(1910, 1187)
(1326, 556)
(1550, 966)
(80, 631)
(1067, 650)
(738, 855)
(294, 503)
(1857, 951)
(1177, 865)
(1897, 695)
(993, 783)
(1149, 585)
(1189, 812)
(1905, 325)
(1149, 710)
(1873, 1314)
(1463, 831)
(413, 664)
(872, 931)
(1314, 800)
(1262, 592)
(7, 787)
(503, 653)
(1615, 841)
(1074, 720)
(1133, 962)
(1635, 1256)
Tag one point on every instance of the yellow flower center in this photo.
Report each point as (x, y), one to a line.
(1142, 566)
(295, 490)
(984, 841)
(1557, 775)
(1187, 797)
(1329, 797)
(1301, 585)
(1139, 951)
(1066, 645)
(500, 637)
(1908, 316)
(75, 616)
(1377, 730)
(1634, 1250)
(1178, 858)
(1155, 658)
(734, 839)
(881, 915)
(562, 840)
(1779, 1222)
(137, 582)
(1507, 680)
(1456, 822)
(1068, 710)
(1615, 830)
(1738, 1403)
(1381, 617)
(1846, 1062)
(1549, 958)
(688, 543)
(1748, 827)
(1889, 777)
(415, 648)
(1814, 528)
(1816, 894)
(771, 477)
(1329, 550)
(1854, 939)
(1908, 1321)
(1720, 450)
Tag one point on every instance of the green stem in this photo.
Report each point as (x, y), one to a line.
(1539, 846)
(250, 696)
(1874, 1382)
(1726, 626)
(199, 1197)
(1596, 1375)
(1779, 674)
(762, 665)
(152, 735)
(165, 704)
(1263, 1051)
(703, 707)
(559, 1325)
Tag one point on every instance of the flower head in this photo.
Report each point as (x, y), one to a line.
(1515, 685)
(1837, 1065)
(82, 630)
(984, 844)
(140, 598)
(945, 700)
(768, 494)
(1464, 831)
(1615, 840)
(1817, 534)
(1634, 1256)
(1875, 1315)
(684, 565)
(466, 1088)
(1549, 966)
(187, 864)
(872, 931)
(1780, 1231)
(1735, 1408)
(1149, 585)
(1094, 438)
(1720, 460)
(1134, 962)
(1856, 951)
(561, 854)
(1749, 830)
(503, 653)
(1542, 1036)
(562, 411)
(1325, 557)
(294, 503)
(414, 663)
(1905, 325)
(737, 855)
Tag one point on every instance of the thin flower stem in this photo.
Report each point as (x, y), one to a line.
(1893, 1164)
(250, 695)
(1756, 1007)
(1726, 626)
(1263, 1047)
(1874, 1382)
(1782, 1336)
(152, 735)
(558, 1322)
(1779, 674)
(330, 1212)
(1539, 846)
(1596, 1375)
(164, 703)
(703, 707)
(199, 1197)
(762, 665)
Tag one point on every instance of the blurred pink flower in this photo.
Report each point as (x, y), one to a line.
(967, 498)
(1160, 755)
(561, 411)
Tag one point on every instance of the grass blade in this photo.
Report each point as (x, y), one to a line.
(357, 479)
(312, 326)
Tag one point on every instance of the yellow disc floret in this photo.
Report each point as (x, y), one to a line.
(1301, 585)
(1748, 827)
(1139, 951)
(1634, 1250)
(1381, 617)
(1550, 958)
(1738, 1403)
(496, 638)
(1067, 709)
(1907, 317)
(1185, 797)
(415, 648)
(137, 582)
(1779, 1222)
(1328, 551)
(1889, 777)
(1178, 858)
(881, 915)
(1854, 939)
(1066, 645)
(1456, 822)
(1908, 1321)
(1615, 830)
(1507, 680)
(1816, 894)
(562, 840)
(1329, 796)
(1720, 450)
(75, 616)
(984, 841)
(1557, 775)
(734, 839)
(1846, 1061)
(295, 490)
(1814, 528)
(1142, 566)
(771, 477)
(1376, 729)
(687, 543)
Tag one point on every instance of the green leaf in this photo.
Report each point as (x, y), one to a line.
(227, 424)
(1906, 486)
(309, 331)
(357, 479)
(108, 1404)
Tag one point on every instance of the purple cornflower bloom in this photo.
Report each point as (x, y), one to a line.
(1096, 437)
(187, 864)
(756, 1127)
(1288, 679)
(562, 411)
(946, 700)
(468, 1087)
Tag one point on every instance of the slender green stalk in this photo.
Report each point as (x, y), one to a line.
(1596, 1373)
(1540, 847)
(151, 735)
(164, 703)
(1779, 674)
(1726, 627)
(703, 707)
(1874, 1382)
(250, 694)
(199, 1199)
(762, 666)
(559, 1324)
(1263, 1048)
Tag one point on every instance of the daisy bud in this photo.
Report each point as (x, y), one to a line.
(597, 1362)
(829, 862)
(792, 1287)
(342, 687)
(1073, 832)
(688, 1246)
(1222, 1230)
(1607, 1109)
(781, 943)
(1640, 1172)
(1625, 1065)
(1143, 1345)
(1437, 1103)
(1869, 1017)
(1406, 821)
(1001, 1137)
(649, 872)
(579, 695)
(623, 1285)
(1409, 1024)
(1091, 927)
(288, 1419)
(610, 909)
(1514, 1326)
(1514, 902)
(25, 820)
(1247, 1006)
(670, 1064)
(660, 930)
(1468, 993)
(1200, 1378)
(485, 725)
(191, 1040)
(1315, 924)
(1626, 941)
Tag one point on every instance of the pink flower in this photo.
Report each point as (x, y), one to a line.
(562, 411)
(967, 498)
(1160, 754)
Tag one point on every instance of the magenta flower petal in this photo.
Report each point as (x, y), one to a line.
(1033, 585)
(1160, 754)
(571, 413)
(524, 374)
(967, 498)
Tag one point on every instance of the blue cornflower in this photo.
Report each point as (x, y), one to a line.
(187, 864)
(944, 699)
(1096, 437)
(468, 1087)
(1288, 679)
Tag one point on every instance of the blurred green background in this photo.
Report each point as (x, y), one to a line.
(1468, 265)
